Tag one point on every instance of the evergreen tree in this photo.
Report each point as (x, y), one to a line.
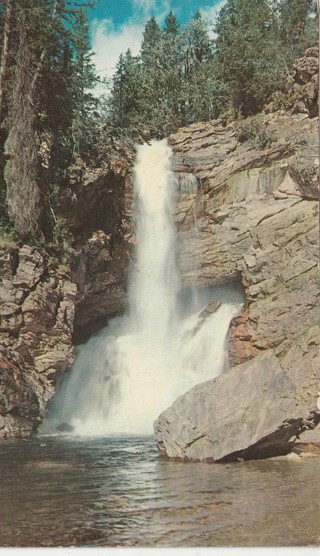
(125, 105)
(249, 57)
(172, 75)
(152, 95)
(151, 42)
(83, 81)
(45, 74)
(198, 43)
(6, 16)
(199, 70)
(172, 26)
(32, 25)
(22, 148)
(298, 26)
(85, 78)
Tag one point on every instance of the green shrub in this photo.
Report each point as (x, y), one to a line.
(62, 240)
(255, 133)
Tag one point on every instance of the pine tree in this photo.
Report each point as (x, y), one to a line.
(249, 57)
(152, 77)
(45, 66)
(125, 105)
(84, 79)
(298, 26)
(199, 70)
(172, 26)
(172, 74)
(7, 30)
(22, 148)
(150, 47)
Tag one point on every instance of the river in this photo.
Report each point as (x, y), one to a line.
(75, 491)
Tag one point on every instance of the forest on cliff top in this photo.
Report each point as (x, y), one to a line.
(53, 124)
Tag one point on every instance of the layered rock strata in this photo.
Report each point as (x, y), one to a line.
(36, 323)
(257, 219)
(98, 210)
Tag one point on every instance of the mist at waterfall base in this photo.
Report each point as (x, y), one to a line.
(130, 372)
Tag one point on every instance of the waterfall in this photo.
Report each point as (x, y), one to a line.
(125, 376)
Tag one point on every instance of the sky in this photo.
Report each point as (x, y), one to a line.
(117, 25)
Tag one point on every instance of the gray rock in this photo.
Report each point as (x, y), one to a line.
(37, 309)
(311, 436)
(258, 223)
(65, 427)
(251, 412)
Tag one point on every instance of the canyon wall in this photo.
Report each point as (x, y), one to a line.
(37, 315)
(251, 189)
(46, 305)
(257, 216)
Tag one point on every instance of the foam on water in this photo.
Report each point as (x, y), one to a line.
(124, 377)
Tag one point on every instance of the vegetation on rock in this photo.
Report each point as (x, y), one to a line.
(45, 76)
(65, 157)
(185, 76)
(53, 128)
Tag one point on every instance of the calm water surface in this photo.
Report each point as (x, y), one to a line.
(62, 491)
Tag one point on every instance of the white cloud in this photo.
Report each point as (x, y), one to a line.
(109, 42)
(210, 14)
(145, 5)
(147, 8)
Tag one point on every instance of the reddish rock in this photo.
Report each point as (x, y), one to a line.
(19, 408)
(310, 95)
(210, 309)
(36, 325)
(305, 68)
(306, 72)
(241, 345)
(30, 268)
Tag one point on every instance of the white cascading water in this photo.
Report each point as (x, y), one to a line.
(124, 377)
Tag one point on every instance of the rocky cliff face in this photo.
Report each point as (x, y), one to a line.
(257, 219)
(255, 225)
(251, 189)
(37, 315)
(45, 307)
(98, 209)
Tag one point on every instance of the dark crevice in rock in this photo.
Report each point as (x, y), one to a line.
(275, 444)
(14, 261)
(82, 333)
(194, 440)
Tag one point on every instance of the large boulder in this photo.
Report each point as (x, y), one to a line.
(252, 411)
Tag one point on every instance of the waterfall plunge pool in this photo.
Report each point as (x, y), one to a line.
(124, 377)
(76, 491)
(114, 490)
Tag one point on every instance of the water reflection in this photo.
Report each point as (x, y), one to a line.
(118, 492)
